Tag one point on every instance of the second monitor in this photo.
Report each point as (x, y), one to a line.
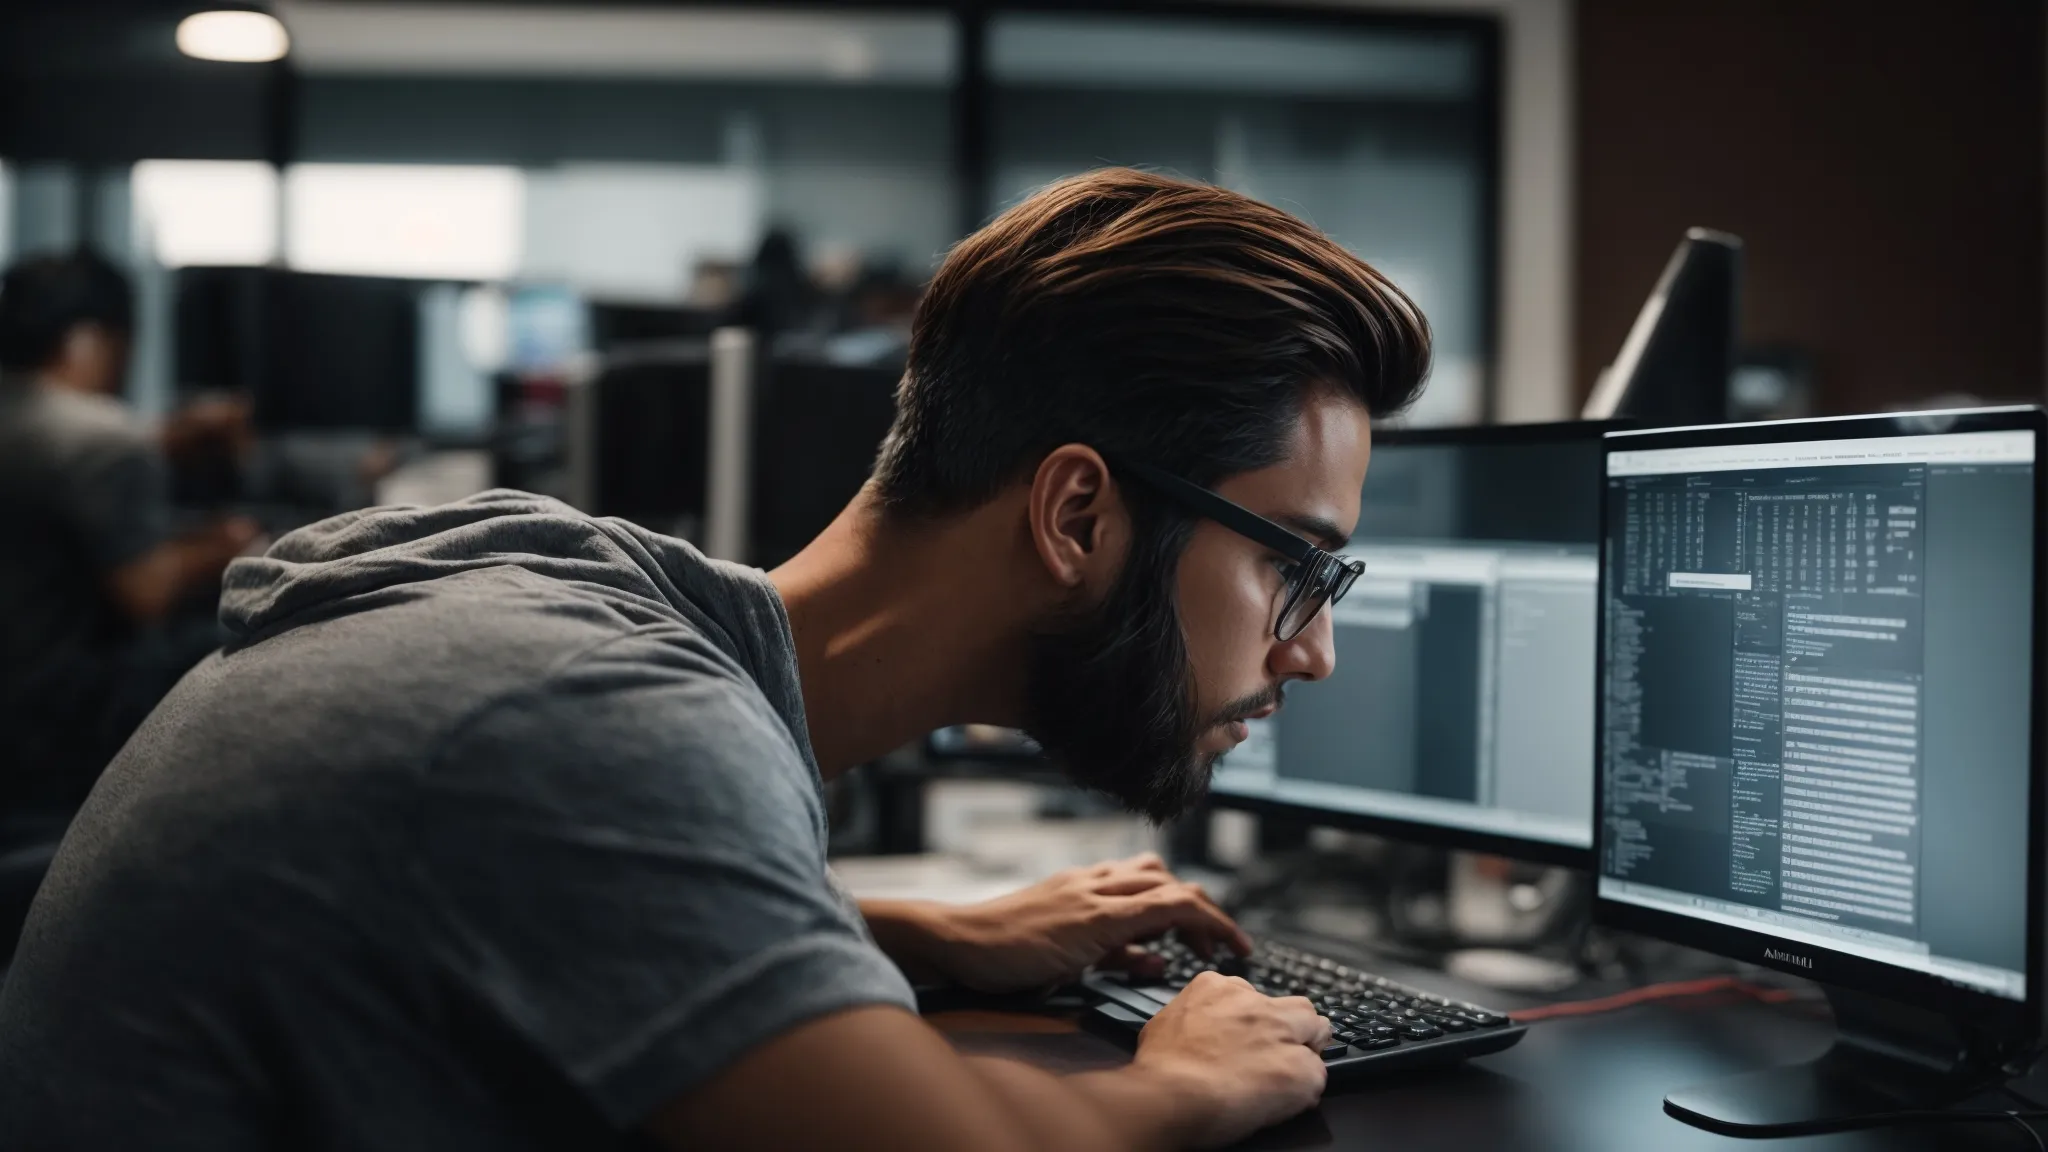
(1461, 708)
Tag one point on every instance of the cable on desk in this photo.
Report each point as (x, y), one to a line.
(2021, 1098)
(1669, 991)
(1937, 1116)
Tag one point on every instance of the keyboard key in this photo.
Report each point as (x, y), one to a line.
(1336, 1051)
(1380, 1043)
(1163, 996)
(1451, 1023)
(1420, 1031)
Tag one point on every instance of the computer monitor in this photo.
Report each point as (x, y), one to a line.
(637, 439)
(1818, 740)
(817, 427)
(615, 324)
(1675, 366)
(311, 351)
(1461, 709)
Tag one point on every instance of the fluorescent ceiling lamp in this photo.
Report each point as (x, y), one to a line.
(1193, 54)
(429, 221)
(236, 37)
(736, 41)
(206, 211)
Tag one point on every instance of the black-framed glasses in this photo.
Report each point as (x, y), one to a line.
(1313, 577)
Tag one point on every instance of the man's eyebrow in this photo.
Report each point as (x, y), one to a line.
(1325, 533)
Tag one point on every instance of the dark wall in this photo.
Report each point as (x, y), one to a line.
(547, 120)
(1883, 160)
(101, 82)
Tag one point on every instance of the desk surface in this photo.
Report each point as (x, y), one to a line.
(1585, 1084)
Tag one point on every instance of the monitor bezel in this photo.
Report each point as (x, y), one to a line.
(2019, 1018)
(1423, 832)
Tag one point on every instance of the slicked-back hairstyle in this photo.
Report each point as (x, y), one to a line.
(1159, 320)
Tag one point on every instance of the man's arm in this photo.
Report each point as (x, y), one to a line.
(1051, 931)
(150, 585)
(1218, 1063)
(116, 496)
(881, 1078)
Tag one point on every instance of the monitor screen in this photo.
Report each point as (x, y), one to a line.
(1462, 701)
(1817, 683)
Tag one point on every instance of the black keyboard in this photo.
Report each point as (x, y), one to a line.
(1377, 1026)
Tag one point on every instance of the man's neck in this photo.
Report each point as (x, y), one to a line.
(904, 628)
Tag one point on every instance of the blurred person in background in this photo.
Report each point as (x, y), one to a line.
(101, 607)
(777, 295)
(500, 825)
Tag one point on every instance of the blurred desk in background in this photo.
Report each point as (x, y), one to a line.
(993, 859)
(437, 478)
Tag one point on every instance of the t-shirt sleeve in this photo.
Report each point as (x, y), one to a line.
(627, 867)
(118, 494)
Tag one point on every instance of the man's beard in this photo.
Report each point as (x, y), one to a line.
(1112, 696)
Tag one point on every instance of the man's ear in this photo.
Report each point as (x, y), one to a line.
(1077, 518)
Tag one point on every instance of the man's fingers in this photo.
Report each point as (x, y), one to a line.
(1180, 906)
(1305, 1026)
(1217, 927)
(1130, 883)
(1148, 862)
(1231, 935)
(1133, 959)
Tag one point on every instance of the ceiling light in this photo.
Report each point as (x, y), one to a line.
(238, 37)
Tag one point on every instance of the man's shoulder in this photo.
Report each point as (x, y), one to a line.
(657, 694)
(46, 431)
(86, 419)
(604, 663)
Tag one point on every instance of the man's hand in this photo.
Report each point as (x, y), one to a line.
(149, 586)
(1054, 930)
(1254, 1059)
(213, 425)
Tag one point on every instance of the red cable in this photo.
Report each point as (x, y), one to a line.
(1668, 991)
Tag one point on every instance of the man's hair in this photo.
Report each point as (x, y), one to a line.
(43, 297)
(1157, 320)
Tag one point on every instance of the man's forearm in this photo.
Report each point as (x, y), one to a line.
(1122, 1108)
(876, 1078)
(910, 932)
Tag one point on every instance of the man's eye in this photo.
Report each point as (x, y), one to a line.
(1285, 567)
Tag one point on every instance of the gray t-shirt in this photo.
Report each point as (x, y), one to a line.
(496, 827)
(82, 492)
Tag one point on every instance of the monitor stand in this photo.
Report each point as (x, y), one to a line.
(1887, 1057)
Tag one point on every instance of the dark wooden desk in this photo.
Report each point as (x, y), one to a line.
(1589, 1084)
